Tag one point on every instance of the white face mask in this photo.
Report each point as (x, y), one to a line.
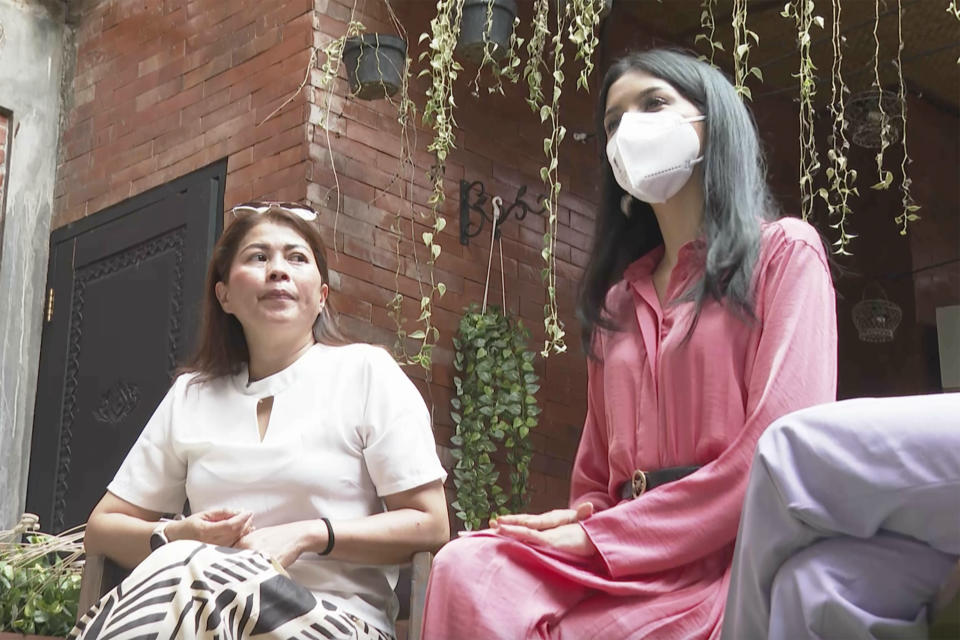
(652, 154)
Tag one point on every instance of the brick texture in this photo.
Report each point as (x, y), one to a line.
(162, 89)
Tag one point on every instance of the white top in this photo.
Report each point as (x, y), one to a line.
(347, 426)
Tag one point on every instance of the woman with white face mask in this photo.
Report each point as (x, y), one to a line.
(707, 319)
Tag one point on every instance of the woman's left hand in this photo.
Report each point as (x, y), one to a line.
(568, 537)
(283, 543)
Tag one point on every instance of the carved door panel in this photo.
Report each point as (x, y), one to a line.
(124, 287)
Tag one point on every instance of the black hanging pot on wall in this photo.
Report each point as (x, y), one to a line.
(473, 27)
(375, 65)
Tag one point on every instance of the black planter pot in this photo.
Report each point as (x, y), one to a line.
(473, 24)
(375, 65)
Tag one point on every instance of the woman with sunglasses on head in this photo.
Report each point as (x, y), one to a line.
(707, 319)
(308, 463)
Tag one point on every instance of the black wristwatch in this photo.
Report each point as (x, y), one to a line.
(159, 536)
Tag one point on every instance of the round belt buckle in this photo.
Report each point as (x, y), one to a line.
(639, 483)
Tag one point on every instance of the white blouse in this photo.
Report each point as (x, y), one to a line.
(347, 427)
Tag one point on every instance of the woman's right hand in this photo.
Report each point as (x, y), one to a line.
(222, 527)
(545, 521)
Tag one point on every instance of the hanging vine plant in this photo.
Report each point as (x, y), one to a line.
(841, 178)
(708, 23)
(802, 11)
(909, 206)
(885, 177)
(954, 10)
(576, 21)
(494, 405)
(741, 50)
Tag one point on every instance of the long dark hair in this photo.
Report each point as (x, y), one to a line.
(736, 196)
(222, 347)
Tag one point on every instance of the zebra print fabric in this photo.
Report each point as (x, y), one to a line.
(194, 591)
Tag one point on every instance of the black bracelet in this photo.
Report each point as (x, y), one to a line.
(330, 538)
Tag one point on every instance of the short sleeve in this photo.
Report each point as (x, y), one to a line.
(398, 445)
(153, 475)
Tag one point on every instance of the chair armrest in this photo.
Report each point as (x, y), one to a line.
(91, 583)
(418, 592)
(100, 575)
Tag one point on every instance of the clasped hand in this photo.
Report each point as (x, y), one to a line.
(234, 528)
(559, 529)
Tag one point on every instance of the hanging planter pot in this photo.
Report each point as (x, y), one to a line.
(876, 318)
(474, 33)
(375, 65)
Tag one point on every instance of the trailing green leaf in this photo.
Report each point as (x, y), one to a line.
(492, 363)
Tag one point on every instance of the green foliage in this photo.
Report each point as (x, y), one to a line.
(802, 11)
(840, 176)
(39, 579)
(579, 21)
(709, 24)
(954, 11)
(884, 177)
(443, 70)
(741, 49)
(495, 405)
(909, 206)
(40, 597)
(584, 18)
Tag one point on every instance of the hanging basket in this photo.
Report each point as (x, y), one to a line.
(876, 319)
(865, 120)
(474, 33)
(375, 65)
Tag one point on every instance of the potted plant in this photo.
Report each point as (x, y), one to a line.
(494, 406)
(376, 64)
(39, 581)
(486, 24)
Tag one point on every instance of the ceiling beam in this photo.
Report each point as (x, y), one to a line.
(756, 7)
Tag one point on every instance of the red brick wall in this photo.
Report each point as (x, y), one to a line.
(164, 88)
(499, 143)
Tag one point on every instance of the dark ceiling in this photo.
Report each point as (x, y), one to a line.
(931, 38)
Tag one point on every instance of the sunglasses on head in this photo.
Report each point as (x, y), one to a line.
(302, 211)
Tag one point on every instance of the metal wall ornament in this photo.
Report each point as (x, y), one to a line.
(117, 403)
(473, 198)
(877, 318)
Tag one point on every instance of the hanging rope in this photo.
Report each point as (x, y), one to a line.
(503, 285)
(497, 201)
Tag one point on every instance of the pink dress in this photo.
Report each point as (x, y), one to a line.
(653, 402)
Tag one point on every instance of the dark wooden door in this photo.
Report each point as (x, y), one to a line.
(123, 302)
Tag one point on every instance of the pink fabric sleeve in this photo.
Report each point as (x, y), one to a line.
(795, 366)
(591, 469)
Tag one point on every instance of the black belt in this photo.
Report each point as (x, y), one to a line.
(643, 481)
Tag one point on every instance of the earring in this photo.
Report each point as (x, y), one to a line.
(625, 202)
